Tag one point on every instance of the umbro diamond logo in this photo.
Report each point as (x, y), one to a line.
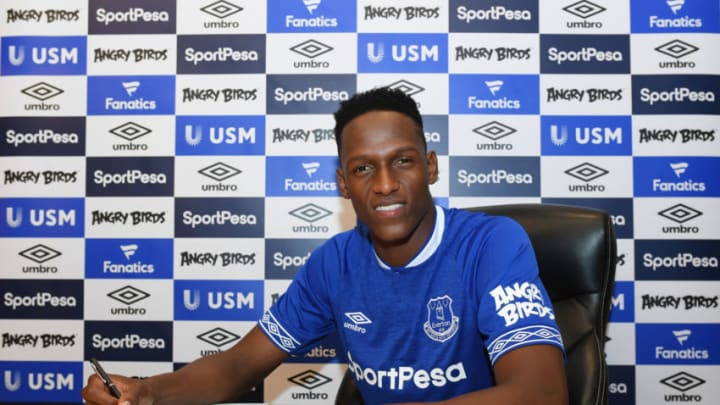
(586, 172)
(221, 9)
(584, 9)
(356, 320)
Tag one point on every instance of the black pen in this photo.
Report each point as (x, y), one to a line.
(105, 378)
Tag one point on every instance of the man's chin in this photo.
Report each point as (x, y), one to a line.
(390, 238)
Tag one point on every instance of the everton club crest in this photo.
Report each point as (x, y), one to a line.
(441, 322)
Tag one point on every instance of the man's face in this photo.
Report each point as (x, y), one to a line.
(386, 172)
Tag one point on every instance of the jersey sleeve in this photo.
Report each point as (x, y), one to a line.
(514, 307)
(303, 314)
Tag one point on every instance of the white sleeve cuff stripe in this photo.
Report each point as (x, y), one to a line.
(281, 337)
(528, 335)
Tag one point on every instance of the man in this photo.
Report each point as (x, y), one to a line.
(431, 304)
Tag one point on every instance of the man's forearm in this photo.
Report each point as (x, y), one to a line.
(204, 381)
(221, 377)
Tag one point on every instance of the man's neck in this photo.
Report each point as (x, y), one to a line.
(400, 253)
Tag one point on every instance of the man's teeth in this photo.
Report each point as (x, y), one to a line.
(388, 207)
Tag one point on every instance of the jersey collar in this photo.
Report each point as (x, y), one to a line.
(431, 245)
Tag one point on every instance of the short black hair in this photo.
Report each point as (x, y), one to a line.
(376, 99)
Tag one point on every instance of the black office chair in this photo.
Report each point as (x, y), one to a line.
(576, 253)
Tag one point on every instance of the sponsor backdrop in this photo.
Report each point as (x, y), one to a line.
(168, 166)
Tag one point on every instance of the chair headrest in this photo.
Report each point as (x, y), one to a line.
(570, 242)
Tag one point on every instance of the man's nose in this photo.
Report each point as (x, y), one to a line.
(386, 181)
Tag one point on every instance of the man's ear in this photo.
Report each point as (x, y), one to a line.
(341, 183)
(432, 165)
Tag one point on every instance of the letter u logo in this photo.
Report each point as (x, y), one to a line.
(191, 303)
(16, 55)
(12, 382)
(12, 220)
(375, 57)
(191, 139)
(558, 139)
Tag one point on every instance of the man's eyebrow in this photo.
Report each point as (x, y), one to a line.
(398, 151)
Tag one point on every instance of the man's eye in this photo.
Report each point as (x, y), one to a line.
(362, 168)
(404, 160)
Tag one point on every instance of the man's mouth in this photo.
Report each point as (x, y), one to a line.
(390, 207)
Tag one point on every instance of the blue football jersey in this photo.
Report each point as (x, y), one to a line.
(429, 330)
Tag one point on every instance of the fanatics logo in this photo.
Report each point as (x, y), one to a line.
(679, 168)
(131, 87)
(312, 5)
(129, 250)
(675, 5)
(149, 95)
(311, 168)
(682, 335)
(696, 351)
(494, 86)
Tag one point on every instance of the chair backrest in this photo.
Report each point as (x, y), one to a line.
(576, 253)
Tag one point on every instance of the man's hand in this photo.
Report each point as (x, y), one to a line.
(221, 377)
(134, 391)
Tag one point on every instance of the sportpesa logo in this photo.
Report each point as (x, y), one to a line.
(588, 54)
(498, 176)
(221, 54)
(494, 13)
(219, 218)
(42, 136)
(203, 54)
(679, 261)
(38, 300)
(310, 94)
(495, 176)
(131, 15)
(128, 177)
(676, 95)
(407, 377)
(130, 341)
